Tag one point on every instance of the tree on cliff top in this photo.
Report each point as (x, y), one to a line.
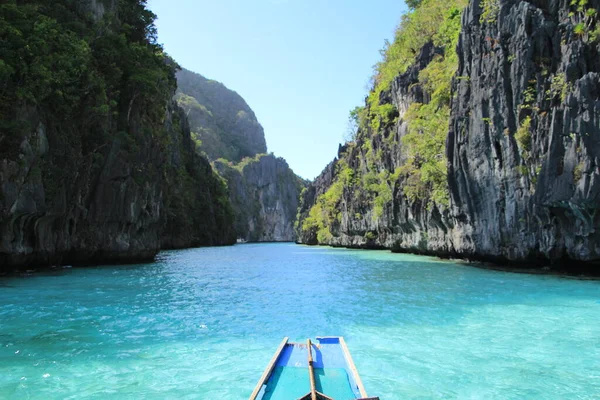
(56, 58)
(412, 4)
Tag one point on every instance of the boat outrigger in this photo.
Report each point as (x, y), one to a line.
(331, 373)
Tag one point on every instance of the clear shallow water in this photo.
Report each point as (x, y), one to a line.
(203, 324)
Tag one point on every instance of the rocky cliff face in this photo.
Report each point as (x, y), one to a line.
(522, 149)
(524, 142)
(196, 210)
(108, 207)
(99, 167)
(263, 190)
(264, 193)
(400, 224)
(223, 124)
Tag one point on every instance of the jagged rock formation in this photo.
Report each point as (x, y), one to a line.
(402, 224)
(264, 193)
(96, 163)
(222, 123)
(263, 190)
(523, 147)
(534, 194)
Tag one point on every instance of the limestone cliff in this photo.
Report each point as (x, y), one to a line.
(263, 190)
(196, 210)
(524, 142)
(96, 162)
(522, 148)
(223, 124)
(264, 193)
(359, 218)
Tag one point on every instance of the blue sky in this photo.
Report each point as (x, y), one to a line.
(301, 65)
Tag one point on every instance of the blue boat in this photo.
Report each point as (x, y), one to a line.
(323, 370)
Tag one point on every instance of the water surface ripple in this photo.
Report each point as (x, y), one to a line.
(203, 323)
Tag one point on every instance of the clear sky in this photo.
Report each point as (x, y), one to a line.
(301, 65)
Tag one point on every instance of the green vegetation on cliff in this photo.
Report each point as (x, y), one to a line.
(264, 193)
(97, 161)
(422, 175)
(91, 81)
(57, 59)
(223, 125)
(263, 190)
(432, 21)
(326, 212)
(426, 168)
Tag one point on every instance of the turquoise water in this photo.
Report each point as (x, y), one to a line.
(203, 324)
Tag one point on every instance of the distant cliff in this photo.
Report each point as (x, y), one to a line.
(223, 125)
(490, 152)
(96, 162)
(263, 190)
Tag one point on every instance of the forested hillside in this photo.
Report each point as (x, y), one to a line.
(223, 125)
(96, 161)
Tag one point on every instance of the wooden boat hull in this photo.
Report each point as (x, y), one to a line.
(287, 375)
